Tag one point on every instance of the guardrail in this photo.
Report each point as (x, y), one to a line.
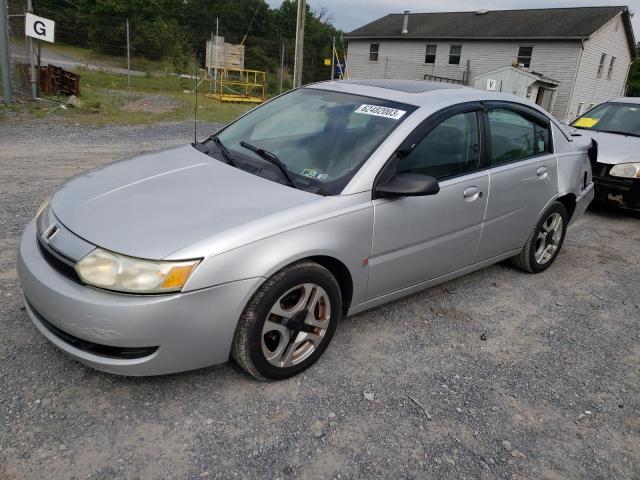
(435, 78)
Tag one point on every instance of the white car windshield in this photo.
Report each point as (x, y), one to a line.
(612, 117)
(321, 137)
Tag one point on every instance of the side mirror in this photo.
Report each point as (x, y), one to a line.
(408, 185)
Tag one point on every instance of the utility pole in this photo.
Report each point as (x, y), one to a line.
(297, 60)
(333, 56)
(128, 57)
(215, 62)
(4, 53)
(281, 66)
(32, 63)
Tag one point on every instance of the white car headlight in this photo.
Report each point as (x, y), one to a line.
(120, 273)
(626, 170)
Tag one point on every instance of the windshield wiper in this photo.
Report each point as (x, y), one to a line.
(223, 150)
(271, 158)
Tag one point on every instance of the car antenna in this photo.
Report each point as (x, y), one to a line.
(195, 110)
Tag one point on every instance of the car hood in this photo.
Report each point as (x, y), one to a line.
(157, 203)
(614, 148)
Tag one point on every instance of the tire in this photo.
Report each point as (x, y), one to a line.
(274, 338)
(538, 253)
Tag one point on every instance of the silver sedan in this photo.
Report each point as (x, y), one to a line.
(324, 202)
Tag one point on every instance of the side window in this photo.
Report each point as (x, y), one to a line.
(374, 48)
(430, 54)
(451, 148)
(603, 59)
(611, 64)
(515, 136)
(524, 56)
(454, 54)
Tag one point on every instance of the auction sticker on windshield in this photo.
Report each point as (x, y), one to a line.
(378, 111)
(585, 122)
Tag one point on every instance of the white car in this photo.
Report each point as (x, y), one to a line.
(615, 125)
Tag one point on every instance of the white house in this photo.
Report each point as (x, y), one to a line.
(573, 58)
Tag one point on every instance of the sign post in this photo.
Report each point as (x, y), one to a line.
(41, 29)
(4, 54)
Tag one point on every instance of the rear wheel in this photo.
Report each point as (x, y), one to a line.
(288, 323)
(545, 242)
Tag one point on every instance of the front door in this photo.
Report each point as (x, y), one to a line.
(523, 174)
(419, 238)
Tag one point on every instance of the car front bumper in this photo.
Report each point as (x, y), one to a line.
(130, 334)
(624, 192)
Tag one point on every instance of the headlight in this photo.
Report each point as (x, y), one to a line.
(626, 170)
(120, 273)
(42, 207)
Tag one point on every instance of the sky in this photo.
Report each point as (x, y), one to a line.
(348, 15)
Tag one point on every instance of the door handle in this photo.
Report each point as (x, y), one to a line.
(542, 172)
(471, 193)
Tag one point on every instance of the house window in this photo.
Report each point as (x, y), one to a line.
(603, 58)
(611, 64)
(430, 55)
(373, 52)
(454, 54)
(524, 56)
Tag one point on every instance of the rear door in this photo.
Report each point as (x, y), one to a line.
(419, 238)
(523, 175)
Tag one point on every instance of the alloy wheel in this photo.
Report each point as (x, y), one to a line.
(296, 325)
(548, 238)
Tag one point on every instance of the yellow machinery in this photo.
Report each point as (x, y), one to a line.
(238, 85)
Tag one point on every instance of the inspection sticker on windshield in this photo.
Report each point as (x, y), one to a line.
(312, 173)
(378, 111)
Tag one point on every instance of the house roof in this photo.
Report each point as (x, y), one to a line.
(540, 24)
(522, 71)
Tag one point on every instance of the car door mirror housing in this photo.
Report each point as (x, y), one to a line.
(408, 185)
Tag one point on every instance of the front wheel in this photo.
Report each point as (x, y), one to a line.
(545, 242)
(288, 323)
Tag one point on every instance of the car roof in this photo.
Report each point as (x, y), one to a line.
(635, 100)
(408, 86)
(420, 93)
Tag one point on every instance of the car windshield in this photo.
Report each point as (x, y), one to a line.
(612, 117)
(321, 137)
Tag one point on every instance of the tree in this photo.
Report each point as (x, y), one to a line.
(633, 82)
(179, 29)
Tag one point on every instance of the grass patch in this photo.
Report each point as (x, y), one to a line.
(103, 96)
(86, 55)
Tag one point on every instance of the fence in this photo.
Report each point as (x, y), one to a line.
(139, 47)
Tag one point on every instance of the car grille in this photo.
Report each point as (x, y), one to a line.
(601, 169)
(55, 260)
(107, 351)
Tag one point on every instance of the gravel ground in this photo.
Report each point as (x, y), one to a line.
(497, 374)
